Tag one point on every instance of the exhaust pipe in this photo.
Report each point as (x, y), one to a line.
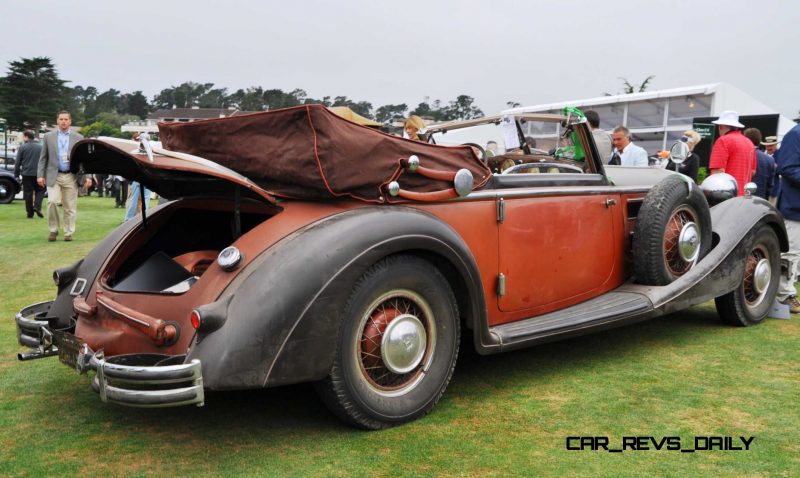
(25, 356)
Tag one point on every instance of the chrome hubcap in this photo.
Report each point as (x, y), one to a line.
(761, 276)
(689, 242)
(396, 342)
(403, 344)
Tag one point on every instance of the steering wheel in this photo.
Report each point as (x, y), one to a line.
(479, 151)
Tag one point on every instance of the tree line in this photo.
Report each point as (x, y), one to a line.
(32, 93)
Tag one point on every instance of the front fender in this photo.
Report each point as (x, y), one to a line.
(734, 217)
(284, 317)
(722, 269)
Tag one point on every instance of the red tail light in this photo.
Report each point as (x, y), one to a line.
(195, 318)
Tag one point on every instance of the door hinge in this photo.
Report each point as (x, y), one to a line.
(501, 210)
(501, 285)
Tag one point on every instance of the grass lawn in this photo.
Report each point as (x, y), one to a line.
(683, 375)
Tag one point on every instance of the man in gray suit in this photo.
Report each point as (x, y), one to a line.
(54, 170)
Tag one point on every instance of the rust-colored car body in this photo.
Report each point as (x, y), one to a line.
(529, 258)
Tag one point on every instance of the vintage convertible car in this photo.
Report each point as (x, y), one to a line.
(301, 247)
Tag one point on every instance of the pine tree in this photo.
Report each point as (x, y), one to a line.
(31, 93)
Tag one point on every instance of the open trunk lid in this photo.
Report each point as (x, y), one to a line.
(168, 173)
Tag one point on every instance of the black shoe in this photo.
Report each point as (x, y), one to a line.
(38, 213)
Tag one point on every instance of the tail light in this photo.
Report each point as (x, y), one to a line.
(210, 317)
(196, 320)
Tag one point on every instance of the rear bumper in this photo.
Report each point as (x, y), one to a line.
(138, 380)
(31, 322)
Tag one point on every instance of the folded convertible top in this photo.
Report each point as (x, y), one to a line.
(308, 152)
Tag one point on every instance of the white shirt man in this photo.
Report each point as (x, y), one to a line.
(629, 153)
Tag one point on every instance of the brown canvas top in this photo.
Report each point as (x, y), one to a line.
(307, 152)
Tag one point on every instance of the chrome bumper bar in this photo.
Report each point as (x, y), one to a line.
(137, 380)
(30, 324)
(143, 385)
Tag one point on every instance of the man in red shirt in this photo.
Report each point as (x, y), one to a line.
(733, 153)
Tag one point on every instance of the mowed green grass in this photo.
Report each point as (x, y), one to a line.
(506, 415)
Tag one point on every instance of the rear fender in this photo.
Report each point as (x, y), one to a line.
(284, 319)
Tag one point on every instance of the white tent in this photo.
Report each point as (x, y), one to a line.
(664, 114)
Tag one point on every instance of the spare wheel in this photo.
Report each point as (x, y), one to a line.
(673, 231)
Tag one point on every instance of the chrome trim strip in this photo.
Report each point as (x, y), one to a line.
(552, 191)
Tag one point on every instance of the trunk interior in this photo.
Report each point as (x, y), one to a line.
(178, 243)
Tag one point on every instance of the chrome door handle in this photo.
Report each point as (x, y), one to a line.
(610, 202)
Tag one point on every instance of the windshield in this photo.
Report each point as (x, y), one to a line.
(507, 141)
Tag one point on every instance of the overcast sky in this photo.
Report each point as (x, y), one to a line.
(531, 52)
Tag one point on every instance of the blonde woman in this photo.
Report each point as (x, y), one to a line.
(688, 167)
(412, 126)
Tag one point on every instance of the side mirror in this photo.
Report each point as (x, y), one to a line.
(679, 152)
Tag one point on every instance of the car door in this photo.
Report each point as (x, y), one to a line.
(556, 249)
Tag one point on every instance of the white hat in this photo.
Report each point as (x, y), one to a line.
(729, 118)
(769, 141)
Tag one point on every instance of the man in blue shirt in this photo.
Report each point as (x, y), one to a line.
(55, 171)
(788, 202)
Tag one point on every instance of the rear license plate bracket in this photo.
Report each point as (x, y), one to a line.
(68, 347)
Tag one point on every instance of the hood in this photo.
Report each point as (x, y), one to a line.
(636, 176)
(170, 174)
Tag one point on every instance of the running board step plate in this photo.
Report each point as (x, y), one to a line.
(606, 311)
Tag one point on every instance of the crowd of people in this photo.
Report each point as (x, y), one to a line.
(776, 173)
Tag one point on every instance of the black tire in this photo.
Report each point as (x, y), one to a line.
(750, 302)
(361, 389)
(10, 190)
(667, 210)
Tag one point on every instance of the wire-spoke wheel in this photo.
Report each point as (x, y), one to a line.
(672, 233)
(397, 342)
(397, 345)
(756, 276)
(750, 302)
(681, 242)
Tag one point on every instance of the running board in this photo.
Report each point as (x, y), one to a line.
(606, 311)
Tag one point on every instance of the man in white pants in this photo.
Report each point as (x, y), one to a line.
(54, 171)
